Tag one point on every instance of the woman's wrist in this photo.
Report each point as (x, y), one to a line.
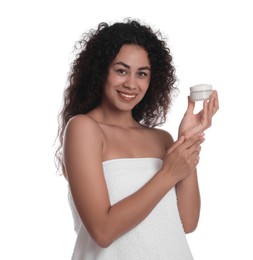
(168, 179)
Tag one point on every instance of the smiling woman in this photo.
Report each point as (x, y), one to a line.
(130, 184)
(128, 78)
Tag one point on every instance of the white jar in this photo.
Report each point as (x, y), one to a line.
(200, 92)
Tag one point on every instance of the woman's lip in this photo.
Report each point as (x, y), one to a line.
(126, 96)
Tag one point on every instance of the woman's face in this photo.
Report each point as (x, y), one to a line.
(128, 78)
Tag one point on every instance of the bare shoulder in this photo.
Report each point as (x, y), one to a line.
(82, 136)
(82, 146)
(83, 125)
(164, 136)
(82, 120)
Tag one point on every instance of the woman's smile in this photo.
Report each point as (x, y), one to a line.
(128, 78)
(126, 96)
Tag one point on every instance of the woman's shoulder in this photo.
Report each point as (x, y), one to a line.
(82, 124)
(81, 119)
(164, 136)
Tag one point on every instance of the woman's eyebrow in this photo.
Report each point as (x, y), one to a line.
(122, 63)
(127, 66)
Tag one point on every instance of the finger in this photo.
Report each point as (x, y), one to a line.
(176, 144)
(216, 102)
(213, 103)
(196, 161)
(205, 114)
(195, 154)
(210, 109)
(195, 148)
(191, 106)
(194, 157)
(194, 142)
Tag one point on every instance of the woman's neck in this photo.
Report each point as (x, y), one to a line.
(123, 119)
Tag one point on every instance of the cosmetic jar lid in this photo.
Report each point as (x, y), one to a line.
(200, 92)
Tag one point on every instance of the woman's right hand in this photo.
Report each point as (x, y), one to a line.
(182, 157)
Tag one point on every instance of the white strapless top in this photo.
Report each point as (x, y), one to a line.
(160, 236)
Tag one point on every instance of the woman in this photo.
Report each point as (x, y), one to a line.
(133, 190)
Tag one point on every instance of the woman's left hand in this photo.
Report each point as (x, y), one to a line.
(195, 123)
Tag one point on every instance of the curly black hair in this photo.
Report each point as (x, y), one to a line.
(95, 52)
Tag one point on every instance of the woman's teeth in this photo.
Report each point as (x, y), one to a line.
(127, 95)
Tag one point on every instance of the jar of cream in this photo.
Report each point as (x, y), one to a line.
(200, 92)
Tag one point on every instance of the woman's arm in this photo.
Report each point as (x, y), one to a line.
(83, 146)
(188, 189)
(188, 197)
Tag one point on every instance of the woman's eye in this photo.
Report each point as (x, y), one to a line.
(121, 71)
(142, 74)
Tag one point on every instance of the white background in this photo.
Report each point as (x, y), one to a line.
(211, 42)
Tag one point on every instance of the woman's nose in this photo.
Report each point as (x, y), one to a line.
(130, 82)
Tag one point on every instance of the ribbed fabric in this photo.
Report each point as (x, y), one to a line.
(159, 236)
